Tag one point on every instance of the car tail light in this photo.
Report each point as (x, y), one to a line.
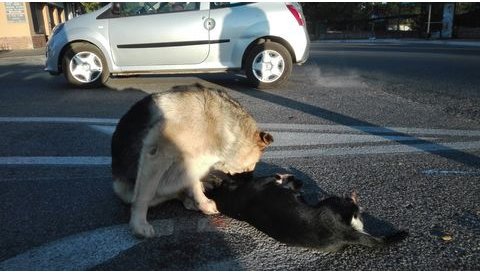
(296, 14)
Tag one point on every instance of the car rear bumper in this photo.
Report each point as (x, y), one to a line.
(300, 43)
(306, 54)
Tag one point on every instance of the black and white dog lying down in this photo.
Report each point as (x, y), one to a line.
(274, 205)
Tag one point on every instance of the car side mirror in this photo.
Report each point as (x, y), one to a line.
(115, 8)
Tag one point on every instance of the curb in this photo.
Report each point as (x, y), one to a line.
(398, 41)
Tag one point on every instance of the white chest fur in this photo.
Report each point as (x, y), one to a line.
(357, 224)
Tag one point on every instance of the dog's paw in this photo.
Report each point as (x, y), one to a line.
(143, 230)
(207, 186)
(189, 204)
(208, 207)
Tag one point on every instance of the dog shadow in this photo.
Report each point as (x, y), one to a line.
(376, 226)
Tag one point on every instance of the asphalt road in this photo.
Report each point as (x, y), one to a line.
(398, 123)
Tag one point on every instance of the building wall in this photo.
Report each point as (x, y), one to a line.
(15, 35)
(20, 29)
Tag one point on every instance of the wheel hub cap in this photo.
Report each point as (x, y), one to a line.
(268, 66)
(85, 67)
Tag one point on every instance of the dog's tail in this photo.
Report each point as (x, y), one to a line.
(124, 190)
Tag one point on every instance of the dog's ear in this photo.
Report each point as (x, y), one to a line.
(264, 139)
(354, 196)
(278, 178)
(283, 178)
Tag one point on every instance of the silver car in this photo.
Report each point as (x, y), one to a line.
(262, 39)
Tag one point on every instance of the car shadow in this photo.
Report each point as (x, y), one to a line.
(238, 84)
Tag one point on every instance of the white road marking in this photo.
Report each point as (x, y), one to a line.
(84, 160)
(104, 129)
(275, 154)
(296, 136)
(58, 120)
(370, 129)
(57, 178)
(83, 250)
(368, 150)
(311, 138)
(267, 126)
(440, 172)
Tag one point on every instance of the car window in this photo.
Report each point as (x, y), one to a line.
(143, 8)
(217, 5)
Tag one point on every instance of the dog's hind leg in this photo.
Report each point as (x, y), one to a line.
(160, 199)
(152, 166)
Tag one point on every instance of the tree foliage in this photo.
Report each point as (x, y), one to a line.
(91, 6)
(361, 15)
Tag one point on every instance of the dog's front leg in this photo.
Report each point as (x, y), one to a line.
(204, 204)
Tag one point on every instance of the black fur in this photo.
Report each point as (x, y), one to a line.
(279, 211)
(127, 140)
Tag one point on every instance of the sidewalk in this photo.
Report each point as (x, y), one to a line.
(23, 52)
(454, 42)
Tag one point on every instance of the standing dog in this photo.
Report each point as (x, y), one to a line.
(168, 141)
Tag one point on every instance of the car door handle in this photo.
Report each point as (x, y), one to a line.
(209, 24)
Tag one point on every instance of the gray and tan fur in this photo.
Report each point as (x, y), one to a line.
(168, 141)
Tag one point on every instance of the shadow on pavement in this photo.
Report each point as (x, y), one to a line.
(185, 251)
(360, 125)
(314, 193)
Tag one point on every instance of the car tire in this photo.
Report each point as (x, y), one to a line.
(84, 65)
(268, 65)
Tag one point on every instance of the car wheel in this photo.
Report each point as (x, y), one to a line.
(268, 65)
(84, 65)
